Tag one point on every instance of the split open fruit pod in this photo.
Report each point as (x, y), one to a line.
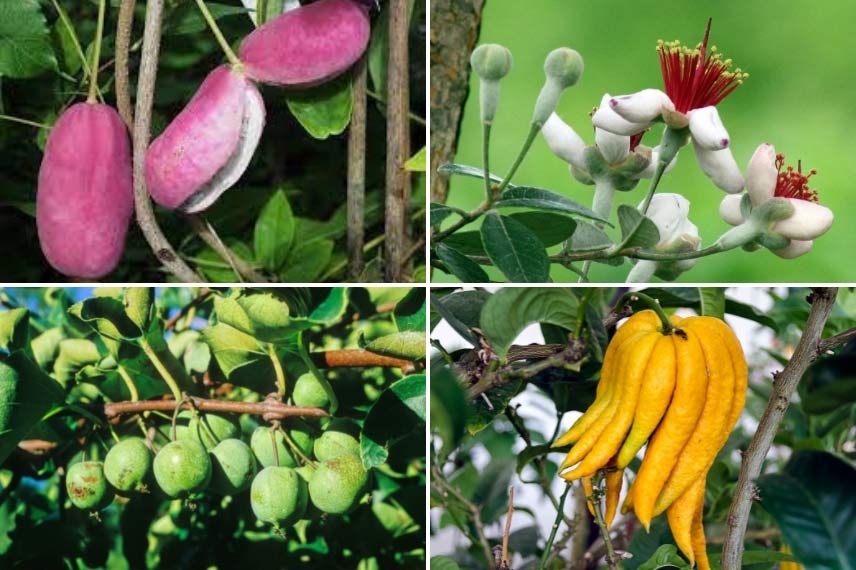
(208, 146)
(308, 45)
(85, 196)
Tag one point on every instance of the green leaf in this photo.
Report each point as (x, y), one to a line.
(378, 432)
(540, 199)
(465, 170)
(187, 19)
(232, 348)
(74, 355)
(443, 563)
(409, 345)
(274, 232)
(514, 250)
(331, 310)
(499, 397)
(587, 237)
(26, 395)
(46, 346)
(644, 545)
(462, 311)
(449, 409)
(70, 59)
(645, 235)
(712, 301)
(410, 390)
(417, 162)
(261, 315)
(552, 229)
(107, 316)
(409, 313)
(14, 329)
(25, 46)
(813, 502)
(465, 243)
(324, 110)
(139, 305)
(666, 557)
(829, 383)
(307, 262)
(215, 269)
(439, 212)
(461, 266)
(512, 309)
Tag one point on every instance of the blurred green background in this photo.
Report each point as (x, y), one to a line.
(800, 96)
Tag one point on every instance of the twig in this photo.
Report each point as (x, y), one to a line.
(822, 300)
(243, 269)
(841, 338)
(560, 514)
(611, 558)
(357, 171)
(503, 559)
(161, 247)
(398, 141)
(204, 294)
(269, 409)
(358, 358)
(124, 27)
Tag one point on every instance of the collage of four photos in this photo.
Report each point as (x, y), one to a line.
(446, 284)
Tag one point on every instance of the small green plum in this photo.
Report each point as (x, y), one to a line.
(278, 496)
(233, 467)
(338, 484)
(87, 487)
(127, 465)
(182, 467)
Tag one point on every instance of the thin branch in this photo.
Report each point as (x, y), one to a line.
(398, 141)
(269, 409)
(835, 341)
(161, 247)
(358, 358)
(243, 269)
(124, 27)
(204, 294)
(822, 300)
(503, 559)
(611, 558)
(357, 172)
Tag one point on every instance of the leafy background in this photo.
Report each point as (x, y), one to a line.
(806, 498)
(798, 96)
(58, 353)
(286, 213)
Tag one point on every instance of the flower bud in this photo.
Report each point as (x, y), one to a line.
(85, 196)
(208, 146)
(308, 45)
(491, 62)
(563, 68)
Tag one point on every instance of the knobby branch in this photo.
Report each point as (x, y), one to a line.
(269, 409)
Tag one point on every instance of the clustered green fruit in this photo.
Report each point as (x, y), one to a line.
(208, 454)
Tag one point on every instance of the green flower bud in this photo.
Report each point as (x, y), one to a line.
(491, 62)
(563, 68)
(773, 241)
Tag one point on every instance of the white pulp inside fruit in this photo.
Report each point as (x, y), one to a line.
(251, 132)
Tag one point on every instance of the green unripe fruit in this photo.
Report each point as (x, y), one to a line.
(338, 484)
(491, 62)
(309, 392)
(563, 68)
(127, 464)
(337, 441)
(278, 496)
(87, 486)
(207, 429)
(233, 467)
(301, 433)
(262, 446)
(182, 467)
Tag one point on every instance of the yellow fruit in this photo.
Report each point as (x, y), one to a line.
(713, 427)
(677, 425)
(789, 565)
(681, 515)
(656, 394)
(627, 506)
(699, 543)
(588, 489)
(644, 321)
(614, 482)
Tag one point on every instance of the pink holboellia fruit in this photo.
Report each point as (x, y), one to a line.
(308, 45)
(85, 198)
(208, 146)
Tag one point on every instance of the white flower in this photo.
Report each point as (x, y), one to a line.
(765, 181)
(670, 213)
(695, 82)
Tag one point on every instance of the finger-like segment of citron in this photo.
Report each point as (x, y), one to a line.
(627, 505)
(681, 516)
(614, 483)
(588, 489)
(675, 429)
(630, 384)
(654, 398)
(713, 426)
(699, 543)
(640, 322)
(593, 434)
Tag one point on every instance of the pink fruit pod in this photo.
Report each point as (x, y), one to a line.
(85, 197)
(308, 45)
(208, 146)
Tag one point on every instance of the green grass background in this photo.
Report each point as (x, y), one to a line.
(800, 96)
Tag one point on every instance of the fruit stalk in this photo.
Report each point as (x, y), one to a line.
(96, 54)
(822, 301)
(268, 409)
(227, 50)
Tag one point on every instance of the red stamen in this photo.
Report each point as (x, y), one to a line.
(694, 78)
(793, 184)
(636, 139)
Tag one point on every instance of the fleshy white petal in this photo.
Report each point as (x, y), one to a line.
(720, 167)
(669, 213)
(729, 209)
(809, 220)
(707, 129)
(795, 249)
(761, 174)
(614, 148)
(641, 107)
(652, 166)
(607, 119)
(564, 141)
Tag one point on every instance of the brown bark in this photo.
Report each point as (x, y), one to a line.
(268, 409)
(454, 32)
